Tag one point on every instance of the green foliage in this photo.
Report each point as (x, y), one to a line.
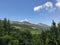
(14, 35)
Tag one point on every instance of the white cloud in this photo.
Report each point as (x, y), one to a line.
(48, 4)
(24, 20)
(58, 0)
(58, 4)
(38, 8)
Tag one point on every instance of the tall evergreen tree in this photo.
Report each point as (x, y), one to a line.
(54, 32)
(1, 28)
(58, 40)
(5, 25)
(9, 26)
(0, 24)
(53, 27)
(59, 26)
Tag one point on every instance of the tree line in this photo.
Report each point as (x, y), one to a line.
(9, 35)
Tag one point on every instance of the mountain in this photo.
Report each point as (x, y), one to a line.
(28, 25)
(42, 26)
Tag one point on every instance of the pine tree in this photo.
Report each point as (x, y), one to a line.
(54, 32)
(58, 40)
(1, 28)
(5, 25)
(0, 24)
(53, 27)
(9, 26)
(59, 26)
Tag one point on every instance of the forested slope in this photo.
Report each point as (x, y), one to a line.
(19, 35)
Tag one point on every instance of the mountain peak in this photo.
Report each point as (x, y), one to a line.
(41, 24)
(25, 22)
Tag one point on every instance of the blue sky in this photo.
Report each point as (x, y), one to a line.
(34, 11)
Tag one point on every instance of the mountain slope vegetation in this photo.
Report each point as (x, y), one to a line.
(20, 34)
(25, 24)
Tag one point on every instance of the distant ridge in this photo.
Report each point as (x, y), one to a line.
(28, 25)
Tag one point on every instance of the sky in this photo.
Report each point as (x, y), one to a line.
(34, 11)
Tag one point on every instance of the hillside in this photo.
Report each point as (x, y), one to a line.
(25, 33)
(28, 25)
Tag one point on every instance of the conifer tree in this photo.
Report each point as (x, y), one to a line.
(53, 27)
(5, 25)
(1, 28)
(0, 24)
(54, 32)
(9, 26)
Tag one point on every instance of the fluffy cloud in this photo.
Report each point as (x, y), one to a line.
(47, 5)
(24, 20)
(58, 3)
(38, 8)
